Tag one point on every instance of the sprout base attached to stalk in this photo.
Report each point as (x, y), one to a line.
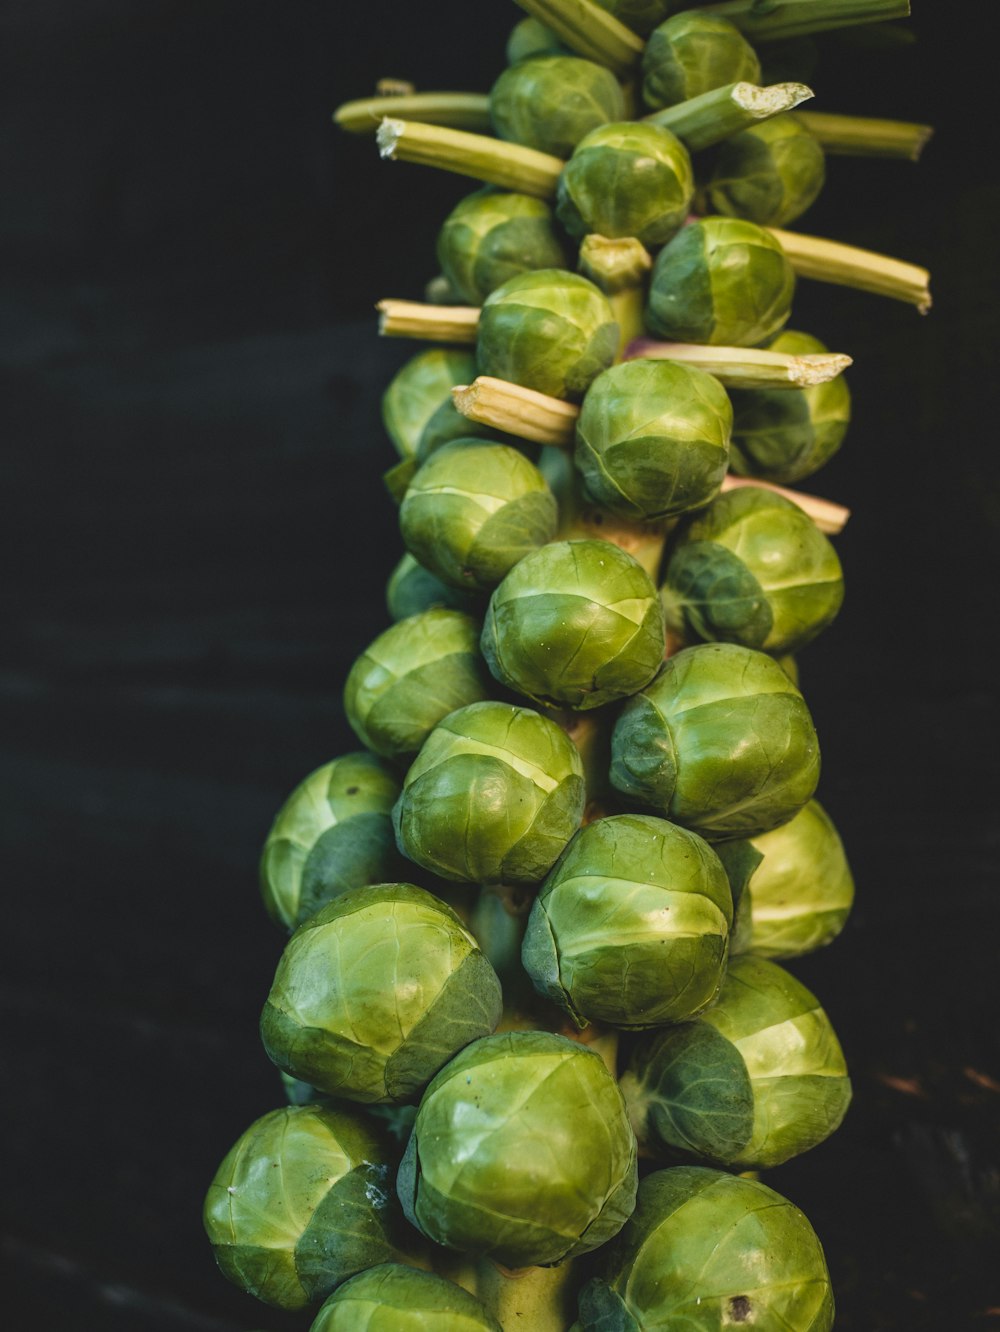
(509, 165)
(865, 136)
(848, 266)
(722, 112)
(589, 30)
(621, 269)
(458, 110)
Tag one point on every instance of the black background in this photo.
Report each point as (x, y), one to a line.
(198, 541)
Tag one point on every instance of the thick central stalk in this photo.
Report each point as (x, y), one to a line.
(530, 1299)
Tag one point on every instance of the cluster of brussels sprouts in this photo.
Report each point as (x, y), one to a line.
(530, 1006)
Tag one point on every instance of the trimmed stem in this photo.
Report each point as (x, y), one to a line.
(620, 268)
(723, 112)
(589, 30)
(745, 367)
(847, 266)
(395, 88)
(433, 323)
(535, 1299)
(470, 111)
(797, 18)
(509, 165)
(865, 136)
(517, 411)
(829, 517)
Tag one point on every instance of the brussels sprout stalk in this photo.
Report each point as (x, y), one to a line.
(865, 136)
(847, 266)
(432, 323)
(797, 18)
(540, 1298)
(745, 367)
(495, 161)
(722, 112)
(620, 268)
(588, 30)
(460, 110)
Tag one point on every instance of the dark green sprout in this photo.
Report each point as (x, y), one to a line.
(473, 510)
(705, 1250)
(626, 179)
(642, 16)
(412, 676)
(574, 625)
(417, 409)
(549, 330)
(491, 236)
(412, 588)
(721, 742)
(333, 834)
(752, 568)
(521, 1152)
(551, 102)
(530, 38)
(303, 1201)
(720, 280)
(770, 173)
(785, 435)
(652, 439)
(376, 992)
(493, 796)
(754, 1081)
(692, 53)
(631, 926)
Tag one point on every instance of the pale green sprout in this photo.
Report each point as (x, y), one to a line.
(551, 102)
(770, 174)
(394, 1298)
(530, 38)
(690, 54)
(376, 992)
(491, 236)
(412, 588)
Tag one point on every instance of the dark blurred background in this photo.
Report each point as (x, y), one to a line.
(198, 543)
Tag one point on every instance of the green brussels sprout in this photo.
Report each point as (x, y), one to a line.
(721, 280)
(531, 38)
(798, 893)
(302, 1202)
(784, 435)
(551, 102)
(417, 406)
(375, 992)
(705, 1250)
(394, 1298)
(652, 439)
(752, 568)
(631, 926)
(758, 1079)
(522, 1152)
(770, 173)
(473, 510)
(626, 180)
(491, 236)
(721, 742)
(574, 625)
(642, 16)
(412, 588)
(414, 674)
(691, 54)
(548, 330)
(493, 797)
(333, 834)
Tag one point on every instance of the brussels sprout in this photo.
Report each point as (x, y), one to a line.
(770, 173)
(491, 236)
(332, 834)
(412, 588)
(574, 625)
(493, 797)
(652, 440)
(551, 102)
(691, 54)
(721, 742)
(473, 510)
(531, 38)
(753, 568)
(549, 330)
(799, 892)
(414, 674)
(723, 281)
(522, 1152)
(419, 389)
(626, 180)
(758, 1079)
(631, 926)
(784, 435)
(302, 1202)
(705, 1250)
(375, 992)
(394, 1298)
(642, 16)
